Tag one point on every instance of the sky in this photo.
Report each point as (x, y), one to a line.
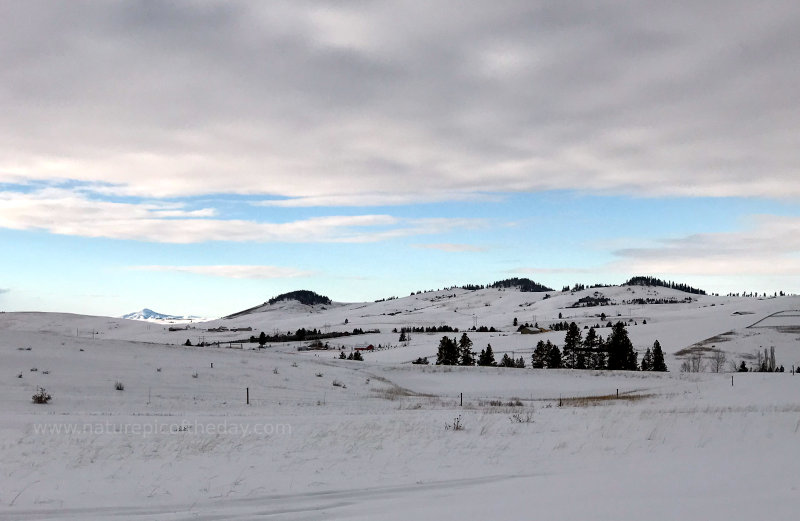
(201, 157)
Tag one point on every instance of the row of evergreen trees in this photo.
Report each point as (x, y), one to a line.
(592, 352)
(653, 281)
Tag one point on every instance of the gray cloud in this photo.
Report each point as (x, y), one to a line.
(319, 100)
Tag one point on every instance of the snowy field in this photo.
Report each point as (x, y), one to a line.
(324, 438)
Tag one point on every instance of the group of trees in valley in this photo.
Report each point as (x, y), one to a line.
(460, 352)
(590, 352)
(593, 352)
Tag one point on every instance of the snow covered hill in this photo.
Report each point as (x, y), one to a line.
(142, 427)
(154, 316)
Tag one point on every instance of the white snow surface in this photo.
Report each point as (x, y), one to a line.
(324, 438)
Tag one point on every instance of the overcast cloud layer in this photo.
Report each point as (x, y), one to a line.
(407, 101)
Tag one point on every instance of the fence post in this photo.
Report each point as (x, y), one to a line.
(248, 396)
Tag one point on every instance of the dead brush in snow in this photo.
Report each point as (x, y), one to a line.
(41, 396)
(513, 402)
(519, 417)
(605, 399)
(119, 386)
(456, 425)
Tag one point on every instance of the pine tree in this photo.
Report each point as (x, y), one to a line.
(553, 356)
(520, 364)
(580, 360)
(466, 354)
(486, 357)
(262, 339)
(507, 361)
(621, 354)
(402, 336)
(647, 360)
(572, 342)
(590, 345)
(539, 356)
(342, 356)
(658, 358)
(448, 352)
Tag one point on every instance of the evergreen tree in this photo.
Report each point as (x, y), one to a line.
(402, 336)
(486, 357)
(647, 360)
(658, 358)
(743, 367)
(448, 352)
(539, 356)
(262, 339)
(507, 361)
(580, 359)
(590, 344)
(553, 356)
(520, 363)
(572, 342)
(466, 354)
(357, 356)
(621, 354)
(342, 356)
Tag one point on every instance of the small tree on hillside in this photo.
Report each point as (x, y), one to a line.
(466, 354)
(658, 358)
(647, 360)
(539, 356)
(262, 339)
(507, 361)
(572, 343)
(486, 358)
(448, 352)
(621, 354)
(553, 356)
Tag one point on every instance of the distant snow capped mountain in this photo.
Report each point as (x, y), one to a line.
(149, 314)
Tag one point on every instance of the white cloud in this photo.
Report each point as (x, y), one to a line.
(71, 213)
(233, 271)
(552, 271)
(450, 247)
(769, 246)
(378, 199)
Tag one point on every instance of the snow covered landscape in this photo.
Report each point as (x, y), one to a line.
(392, 260)
(141, 426)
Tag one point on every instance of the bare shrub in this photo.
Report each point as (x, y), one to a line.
(119, 386)
(519, 417)
(456, 425)
(41, 396)
(337, 383)
(717, 360)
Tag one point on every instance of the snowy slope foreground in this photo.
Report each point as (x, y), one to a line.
(323, 438)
